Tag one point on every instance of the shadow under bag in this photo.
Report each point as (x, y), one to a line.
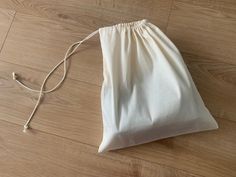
(147, 92)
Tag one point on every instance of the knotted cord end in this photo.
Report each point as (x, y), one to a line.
(26, 127)
(14, 76)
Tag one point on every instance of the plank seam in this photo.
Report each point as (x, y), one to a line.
(168, 18)
(8, 31)
(45, 72)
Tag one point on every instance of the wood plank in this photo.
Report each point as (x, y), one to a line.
(205, 28)
(6, 17)
(205, 33)
(70, 118)
(216, 82)
(94, 13)
(74, 112)
(41, 43)
(39, 154)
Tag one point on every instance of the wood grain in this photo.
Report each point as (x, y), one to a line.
(94, 13)
(216, 82)
(6, 17)
(41, 154)
(73, 111)
(205, 33)
(67, 129)
(205, 28)
(45, 43)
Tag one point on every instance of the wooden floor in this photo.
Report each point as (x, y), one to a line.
(67, 129)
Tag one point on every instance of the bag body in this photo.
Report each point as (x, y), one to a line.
(147, 92)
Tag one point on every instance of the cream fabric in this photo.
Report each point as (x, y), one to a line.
(147, 93)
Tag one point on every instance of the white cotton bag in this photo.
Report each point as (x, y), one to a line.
(147, 92)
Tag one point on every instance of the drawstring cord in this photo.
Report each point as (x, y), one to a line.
(71, 50)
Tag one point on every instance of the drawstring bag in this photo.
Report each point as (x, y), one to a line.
(147, 92)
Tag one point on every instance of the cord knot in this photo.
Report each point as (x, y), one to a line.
(14, 76)
(25, 128)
